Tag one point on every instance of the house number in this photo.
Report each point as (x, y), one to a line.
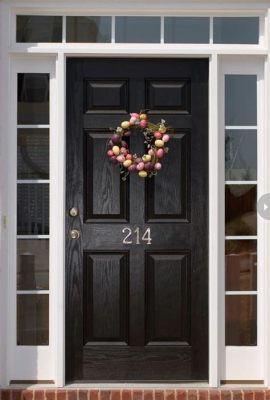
(139, 237)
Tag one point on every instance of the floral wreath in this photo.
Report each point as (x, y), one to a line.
(156, 139)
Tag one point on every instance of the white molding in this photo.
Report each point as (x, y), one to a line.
(4, 161)
(267, 189)
(214, 227)
(39, 358)
(247, 362)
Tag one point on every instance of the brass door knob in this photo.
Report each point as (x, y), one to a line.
(74, 234)
(73, 212)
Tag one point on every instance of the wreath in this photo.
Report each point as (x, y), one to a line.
(156, 138)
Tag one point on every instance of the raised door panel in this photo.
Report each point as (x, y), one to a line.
(106, 195)
(106, 290)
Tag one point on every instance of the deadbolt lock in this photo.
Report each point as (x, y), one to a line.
(73, 212)
(74, 234)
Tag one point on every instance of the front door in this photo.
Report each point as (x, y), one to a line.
(137, 310)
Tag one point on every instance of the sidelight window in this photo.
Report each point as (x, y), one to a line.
(240, 210)
(33, 209)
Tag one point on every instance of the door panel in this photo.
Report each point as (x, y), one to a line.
(137, 278)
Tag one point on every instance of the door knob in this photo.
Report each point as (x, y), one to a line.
(73, 212)
(74, 234)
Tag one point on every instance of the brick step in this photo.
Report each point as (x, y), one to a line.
(126, 394)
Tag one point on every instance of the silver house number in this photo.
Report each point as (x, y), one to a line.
(136, 237)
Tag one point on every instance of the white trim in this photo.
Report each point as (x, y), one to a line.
(33, 291)
(214, 228)
(33, 237)
(247, 362)
(241, 237)
(33, 126)
(64, 29)
(239, 292)
(38, 54)
(240, 182)
(244, 128)
(30, 181)
(39, 358)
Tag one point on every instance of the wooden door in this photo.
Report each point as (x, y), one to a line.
(137, 311)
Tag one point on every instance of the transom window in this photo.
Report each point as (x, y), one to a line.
(136, 29)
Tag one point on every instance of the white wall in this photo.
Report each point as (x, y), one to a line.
(3, 187)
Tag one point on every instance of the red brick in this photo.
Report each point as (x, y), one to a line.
(203, 394)
(181, 395)
(267, 394)
(248, 395)
(237, 395)
(214, 394)
(39, 395)
(159, 395)
(82, 394)
(72, 395)
(169, 394)
(105, 394)
(192, 394)
(115, 395)
(226, 395)
(259, 395)
(126, 395)
(137, 395)
(61, 394)
(94, 394)
(27, 395)
(50, 395)
(6, 394)
(16, 394)
(148, 395)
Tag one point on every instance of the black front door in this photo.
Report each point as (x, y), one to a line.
(137, 308)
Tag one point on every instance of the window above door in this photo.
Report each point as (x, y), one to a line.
(238, 29)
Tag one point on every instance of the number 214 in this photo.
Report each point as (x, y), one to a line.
(145, 237)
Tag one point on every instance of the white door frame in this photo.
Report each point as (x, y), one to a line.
(16, 56)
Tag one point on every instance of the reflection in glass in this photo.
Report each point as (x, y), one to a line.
(233, 30)
(137, 29)
(33, 154)
(89, 29)
(33, 209)
(33, 319)
(38, 29)
(33, 98)
(33, 264)
(241, 265)
(240, 210)
(186, 29)
(241, 320)
(241, 100)
(241, 155)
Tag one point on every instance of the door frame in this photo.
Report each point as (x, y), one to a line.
(11, 59)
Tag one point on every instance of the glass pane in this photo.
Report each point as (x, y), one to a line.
(33, 209)
(241, 320)
(241, 100)
(241, 265)
(89, 29)
(233, 30)
(33, 264)
(38, 28)
(33, 154)
(241, 155)
(33, 98)
(240, 210)
(137, 29)
(186, 30)
(33, 319)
